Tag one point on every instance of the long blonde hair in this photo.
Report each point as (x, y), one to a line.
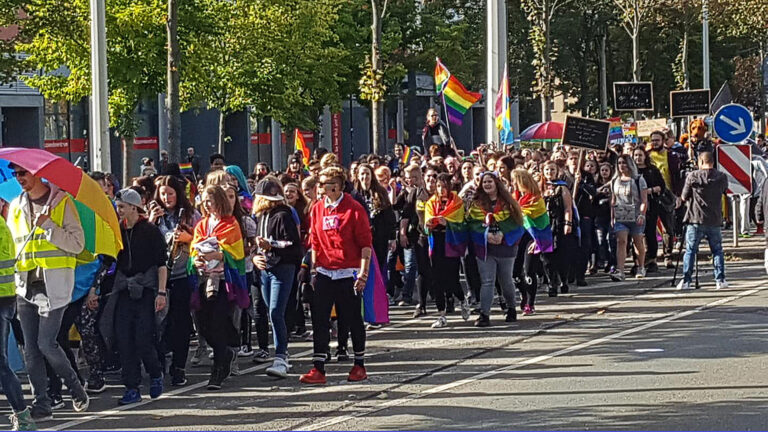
(525, 182)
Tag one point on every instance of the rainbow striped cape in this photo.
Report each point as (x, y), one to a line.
(477, 219)
(227, 232)
(375, 301)
(456, 236)
(536, 222)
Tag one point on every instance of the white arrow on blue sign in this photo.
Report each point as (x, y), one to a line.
(733, 123)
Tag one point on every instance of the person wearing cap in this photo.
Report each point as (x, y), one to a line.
(139, 292)
(278, 257)
(295, 168)
(48, 236)
(341, 241)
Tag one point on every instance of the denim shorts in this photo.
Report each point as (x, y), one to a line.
(632, 227)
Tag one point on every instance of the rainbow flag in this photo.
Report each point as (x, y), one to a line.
(441, 76)
(186, 168)
(455, 230)
(227, 232)
(536, 222)
(375, 301)
(504, 112)
(301, 145)
(456, 97)
(407, 154)
(478, 219)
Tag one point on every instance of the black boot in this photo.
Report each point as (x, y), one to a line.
(564, 288)
(511, 315)
(483, 320)
(178, 377)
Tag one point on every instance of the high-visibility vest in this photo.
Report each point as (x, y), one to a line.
(7, 279)
(39, 252)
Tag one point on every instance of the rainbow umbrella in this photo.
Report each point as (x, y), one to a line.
(548, 131)
(97, 216)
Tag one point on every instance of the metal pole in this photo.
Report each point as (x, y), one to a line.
(705, 40)
(351, 131)
(99, 131)
(69, 131)
(492, 53)
(735, 204)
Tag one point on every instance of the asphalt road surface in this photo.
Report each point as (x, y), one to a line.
(629, 356)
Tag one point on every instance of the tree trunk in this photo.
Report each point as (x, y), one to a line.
(636, 42)
(546, 94)
(128, 168)
(377, 107)
(686, 80)
(222, 132)
(172, 104)
(603, 80)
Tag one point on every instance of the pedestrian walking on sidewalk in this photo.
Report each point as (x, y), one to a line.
(703, 192)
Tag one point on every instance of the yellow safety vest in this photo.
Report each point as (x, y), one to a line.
(7, 260)
(39, 252)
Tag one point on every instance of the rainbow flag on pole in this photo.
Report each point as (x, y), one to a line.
(504, 112)
(301, 145)
(457, 98)
(186, 168)
(407, 154)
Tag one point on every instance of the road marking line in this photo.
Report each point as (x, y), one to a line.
(324, 425)
(204, 383)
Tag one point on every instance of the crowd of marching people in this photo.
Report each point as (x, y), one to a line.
(209, 261)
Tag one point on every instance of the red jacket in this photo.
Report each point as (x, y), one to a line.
(339, 234)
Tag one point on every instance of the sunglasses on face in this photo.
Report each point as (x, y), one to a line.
(20, 173)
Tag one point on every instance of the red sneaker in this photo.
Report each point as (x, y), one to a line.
(760, 229)
(357, 374)
(313, 377)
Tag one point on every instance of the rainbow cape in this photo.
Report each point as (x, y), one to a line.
(227, 232)
(375, 301)
(536, 222)
(478, 230)
(455, 231)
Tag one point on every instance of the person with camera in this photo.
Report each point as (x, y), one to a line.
(703, 192)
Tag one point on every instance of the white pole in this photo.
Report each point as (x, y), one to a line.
(99, 113)
(705, 39)
(496, 50)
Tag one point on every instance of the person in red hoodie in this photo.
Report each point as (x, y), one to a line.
(341, 241)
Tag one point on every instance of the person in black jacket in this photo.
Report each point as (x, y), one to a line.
(437, 133)
(760, 211)
(582, 184)
(278, 257)
(656, 187)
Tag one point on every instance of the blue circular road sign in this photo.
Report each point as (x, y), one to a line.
(733, 123)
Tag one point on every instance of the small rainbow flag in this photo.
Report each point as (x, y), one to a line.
(407, 154)
(375, 304)
(186, 168)
(302, 146)
(456, 97)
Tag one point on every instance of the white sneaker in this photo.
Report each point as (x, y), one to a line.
(279, 368)
(721, 284)
(440, 323)
(245, 351)
(465, 310)
(235, 370)
(640, 273)
(684, 286)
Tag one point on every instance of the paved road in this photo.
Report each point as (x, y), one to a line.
(610, 356)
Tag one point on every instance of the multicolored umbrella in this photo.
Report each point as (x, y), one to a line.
(548, 131)
(97, 215)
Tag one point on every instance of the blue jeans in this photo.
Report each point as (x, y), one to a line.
(275, 289)
(693, 235)
(9, 380)
(606, 242)
(491, 269)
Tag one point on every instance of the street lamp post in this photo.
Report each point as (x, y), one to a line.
(99, 121)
